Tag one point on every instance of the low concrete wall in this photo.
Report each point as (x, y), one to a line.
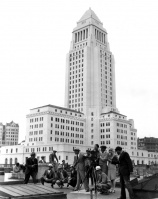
(41, 170)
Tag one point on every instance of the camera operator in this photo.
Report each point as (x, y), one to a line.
(88, 167)
(79, 164)
(96, 154)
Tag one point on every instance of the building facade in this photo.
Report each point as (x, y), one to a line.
(148, 143)
(90, 85)
(9, 134)
(90, 114)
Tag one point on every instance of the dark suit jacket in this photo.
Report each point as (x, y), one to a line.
(29, 163)
(125, 164)
(50, 174)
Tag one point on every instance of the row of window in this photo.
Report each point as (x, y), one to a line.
(122, 125)
(35, 139)
(36, 132)
(122, 143)
(67, 140)
(122, 137)
(36, 119)
(103, 136)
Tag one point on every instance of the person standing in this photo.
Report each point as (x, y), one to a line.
(49, 176)
(88, 166)
(125, 167)
(79, 164)
(112, 161)
(103, 159)
(31, 168)
(53, 159)
(96, 154)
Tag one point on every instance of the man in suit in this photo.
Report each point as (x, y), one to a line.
(79, 164)
(53, 159)
(125, 167)
(42, 160)
(49, 176)
(31, 168)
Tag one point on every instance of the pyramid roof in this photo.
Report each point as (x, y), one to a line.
(89, 14)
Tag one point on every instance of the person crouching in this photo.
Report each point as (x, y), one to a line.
(49, 176)
(103, 183)
(72, 180)
(62, 176)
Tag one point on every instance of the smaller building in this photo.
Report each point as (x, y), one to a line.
(9, 134)
(148, 143)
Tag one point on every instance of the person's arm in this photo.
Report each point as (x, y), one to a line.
(129, 162)
(115, 160)
(37, 165)
(56, 158)
(50, 158)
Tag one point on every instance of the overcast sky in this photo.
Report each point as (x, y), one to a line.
(35, 36)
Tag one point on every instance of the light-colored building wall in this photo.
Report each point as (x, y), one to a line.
(19, 153)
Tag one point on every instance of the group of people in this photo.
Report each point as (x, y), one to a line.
(98, 164)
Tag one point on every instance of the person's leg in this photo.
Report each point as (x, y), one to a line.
(91, 176)
(27, 177)
(123, 191)
(33, 175)
(84, 180)
(42, 180)
(128, 186)
(113, 185)
(78, 181)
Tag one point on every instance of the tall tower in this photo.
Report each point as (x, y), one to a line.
(90, 73)
(90, 85)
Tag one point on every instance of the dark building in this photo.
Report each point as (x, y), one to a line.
(148, 143)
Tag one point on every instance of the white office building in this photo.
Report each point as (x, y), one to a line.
(90, 114)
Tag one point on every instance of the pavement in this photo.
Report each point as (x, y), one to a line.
(86, 195)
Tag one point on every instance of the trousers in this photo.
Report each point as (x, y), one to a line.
(81, 176)
(27, 177)
(125, 181)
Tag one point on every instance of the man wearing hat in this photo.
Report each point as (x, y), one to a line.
(31, 168)
(72, 180)
(62, 176)
(103, 183)
(42, 160)
(52, 158)
(49, 176)
(79, 164)
(125, 168)
(88, 166)
(103, 159)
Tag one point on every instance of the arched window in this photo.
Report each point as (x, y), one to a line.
(10, 161)
(16, 160)
(6, 161)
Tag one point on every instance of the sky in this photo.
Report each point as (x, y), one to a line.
(35, 37)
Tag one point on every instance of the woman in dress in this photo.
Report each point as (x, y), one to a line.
(112, 161)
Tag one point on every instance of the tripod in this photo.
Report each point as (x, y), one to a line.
(91, 169)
